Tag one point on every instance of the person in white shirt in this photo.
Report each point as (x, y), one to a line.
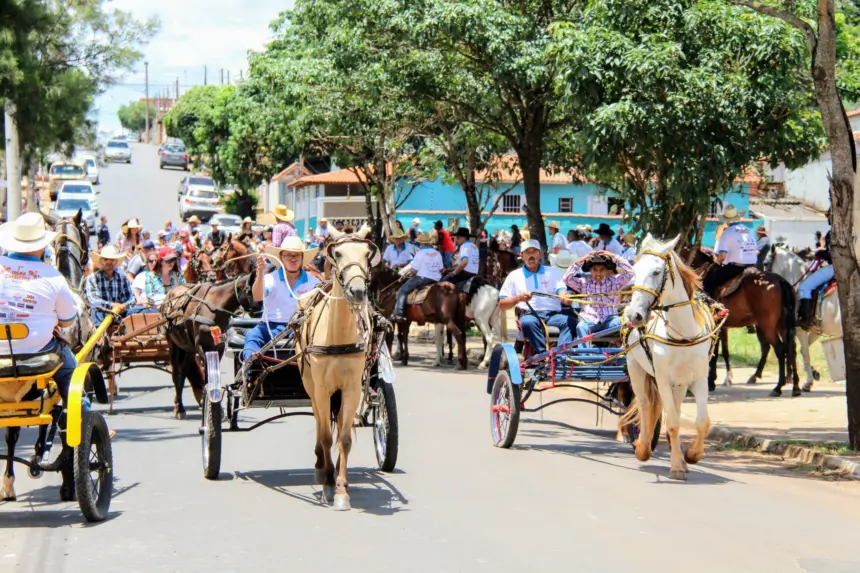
(558, 241)
(399, 254)
(606, 241)
(414, 231)
(321, 233)
(628, 252)
(279, 291)
(578, 246)
(533, 277)
(736, 250)
(468, 258)
(426, 269)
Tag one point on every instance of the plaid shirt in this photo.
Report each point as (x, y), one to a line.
(106, 292)
(155, 286)
(281, 232)
(595, 313)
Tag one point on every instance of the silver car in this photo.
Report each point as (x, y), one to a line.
(67, 207)
(117, 150)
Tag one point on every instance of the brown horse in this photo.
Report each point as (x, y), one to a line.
(500, 263)
(199, 269)
(766, 301)
(231, 259)
(192, 312)
(445, 305)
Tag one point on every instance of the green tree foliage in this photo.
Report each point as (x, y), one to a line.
(132, 116)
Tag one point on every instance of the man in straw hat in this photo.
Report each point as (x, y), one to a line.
(736, 250)
(279, 290)
(468, 258)
(518, 288)
(557, 241)
(399, 253)
(283, 228)
(35, 294)
(107, 285)
(426, 269)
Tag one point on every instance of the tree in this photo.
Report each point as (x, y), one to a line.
(132, 116)
(819, 28)
(676, 98)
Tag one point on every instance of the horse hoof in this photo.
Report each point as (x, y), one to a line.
(775, 393)
(460, 367)
(679, 475)
(327, 493)
(692, 457)
(341, 502)
(795, 392)
(180, 415)
(752, 380)
(807, 387)
(67, 493)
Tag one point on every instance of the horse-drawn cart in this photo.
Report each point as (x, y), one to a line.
(273, 380)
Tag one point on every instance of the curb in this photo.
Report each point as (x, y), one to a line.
(789, 451)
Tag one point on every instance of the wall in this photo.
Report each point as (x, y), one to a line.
(810, 183)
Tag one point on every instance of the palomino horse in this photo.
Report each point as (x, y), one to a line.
(71, 258)
(192, 313)
(792, 267)
(766, 301)
(333, 341)
(665, 361)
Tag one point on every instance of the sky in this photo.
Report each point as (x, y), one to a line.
(193, 34)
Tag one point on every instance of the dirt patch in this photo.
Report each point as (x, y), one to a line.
(736, 457)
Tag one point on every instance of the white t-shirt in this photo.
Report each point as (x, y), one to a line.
(428, 263)
(629, 254)
(35, 294)
(739, 244)
(558, 240)
(469, 250)
(278, 302)
(138, 285)
(579, 248)
(398, 258)
(611, 246)
(547, 280)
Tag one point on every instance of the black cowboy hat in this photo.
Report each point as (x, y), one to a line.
(604, 231)
(598, 259)
(463, 232)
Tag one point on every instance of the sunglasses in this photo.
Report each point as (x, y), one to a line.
(150, 261)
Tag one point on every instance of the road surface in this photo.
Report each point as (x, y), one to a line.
(563, 499)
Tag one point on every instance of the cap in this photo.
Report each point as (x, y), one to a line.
(529, 244)
(148, 245)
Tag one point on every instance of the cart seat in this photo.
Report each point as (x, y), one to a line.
(136, 322)
(244, 322)
(29, 364)
(236, 340)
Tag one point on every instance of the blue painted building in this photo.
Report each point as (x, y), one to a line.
(340, 195)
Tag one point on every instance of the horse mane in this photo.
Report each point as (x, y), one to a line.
(690, 278)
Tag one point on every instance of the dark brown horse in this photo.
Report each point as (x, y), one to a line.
(199, 269)
(231, 259)
(192, 312)
(766, 301)
(500, 263)
(445, 305)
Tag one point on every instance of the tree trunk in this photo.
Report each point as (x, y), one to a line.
(530, 156)
(473, 207)
(843, 205)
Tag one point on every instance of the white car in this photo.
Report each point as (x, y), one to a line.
(80, 190)
(68, 206)
(117, 150)
(92, 168)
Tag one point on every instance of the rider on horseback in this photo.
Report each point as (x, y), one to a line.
(426, 270)
(399, 254)
(468, 258)
(823, 275)
(736, 250)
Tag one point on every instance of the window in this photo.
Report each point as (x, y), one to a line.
(512, 204)
(453, 223)
(118, 144)
(282, 193)
(76, 189)
(714, 209)
(565, 204)
(73, 205)
(202, 181)
(616, 205)
(72, 170)
(203, 194)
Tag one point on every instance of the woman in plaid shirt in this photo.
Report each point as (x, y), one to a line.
(164, 276)
(604, 272)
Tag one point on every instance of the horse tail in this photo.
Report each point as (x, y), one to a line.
(789, 321)
(335, 404)
(633, 415)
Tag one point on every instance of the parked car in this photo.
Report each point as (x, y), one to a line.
(80, 190)
(227, 223)
(92, 168)
(195, 182)
(69, 205)
(132, 137)
(173, 155)
(118, 150)
(199, 196)
(63, 171)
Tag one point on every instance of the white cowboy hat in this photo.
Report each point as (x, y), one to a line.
(247, 220)
(529, 244)
(292, 244)
(281, 213)
(26, 234)
(107, 252)
(563, 259)
(730, 213)
(134, 224)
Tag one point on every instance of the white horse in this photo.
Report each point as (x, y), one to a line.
(662, 372)
(791, 267)
(484, 310)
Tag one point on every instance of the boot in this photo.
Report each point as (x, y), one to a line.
(804, 315)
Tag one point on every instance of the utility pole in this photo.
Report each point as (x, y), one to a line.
(146, 104)
(241, 79)
(228, 77)
(13, 165)
(222, 76)
(205, 75)
(176, 90)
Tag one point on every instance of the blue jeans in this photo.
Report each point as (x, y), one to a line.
(412, 284)
(533, 329)
(813, 281)
(63, 376)
(584, 328)
(259, 336)
(98, 316)
(446, 259)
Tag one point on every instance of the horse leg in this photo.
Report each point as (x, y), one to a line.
(780, 350)
(177, 362)
(712, 369)
(351, 398)
(462, 362)
(765, 350)
(323, 469)
(806, 339)
(8, 490)
(440, 344)
(403, 337)
(648, 404)
(668, 395)
(724, 337)
(450, 347)
(483, 323)
(696, 450)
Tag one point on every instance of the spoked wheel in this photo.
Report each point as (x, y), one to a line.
(210, 434)
(93, 468)
(385, 426)
(504, 410)
(633, 432)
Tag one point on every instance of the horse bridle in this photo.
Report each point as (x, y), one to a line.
(363, 274)
(658, 294)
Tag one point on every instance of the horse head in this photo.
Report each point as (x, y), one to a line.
(651, 273)
(351, 257)
(72, 254)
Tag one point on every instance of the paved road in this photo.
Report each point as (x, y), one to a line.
(564, 499)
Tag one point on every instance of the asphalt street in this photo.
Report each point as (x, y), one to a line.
(567, 497)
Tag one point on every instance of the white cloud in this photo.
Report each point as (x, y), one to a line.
(194, 33)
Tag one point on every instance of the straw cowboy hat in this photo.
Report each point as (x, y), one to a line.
(281, 213)
(424, 239)
(133, 224)
(195, 219)
(553, 225)
(397, 234)
(731, 214)
(26, 234)
(107, 252)
(563, 259)
(292, 244)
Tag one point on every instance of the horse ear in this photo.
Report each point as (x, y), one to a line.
(375, 256)
(77, 217)
(363, 232)
(335, 234)
(670, 246)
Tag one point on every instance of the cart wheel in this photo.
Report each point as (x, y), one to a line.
(94, 468)
(210, 433)
(633, 432)
(385, 427)
(505, 410)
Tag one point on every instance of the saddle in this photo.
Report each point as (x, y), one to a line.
(729, 288)
(418, 296)
(818, 296)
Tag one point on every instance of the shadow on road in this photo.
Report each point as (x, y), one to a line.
(369, 490)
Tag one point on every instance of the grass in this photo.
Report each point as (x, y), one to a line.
(829, 448)
(734, 447)
(744, 350)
